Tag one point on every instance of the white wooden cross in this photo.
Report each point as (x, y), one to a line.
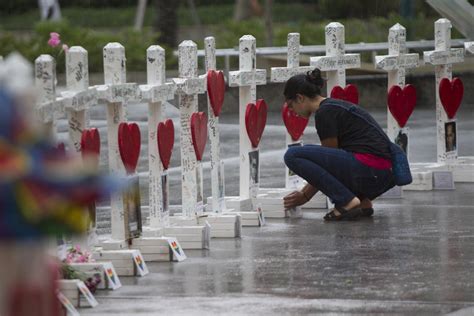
(336, 61)
(396, 63)
(189, 85)
(217, 166)
(45, 82)
(246, 78)
(282, 74)
(116, 92)
(156, 92)
(78, 97)
(442, 58)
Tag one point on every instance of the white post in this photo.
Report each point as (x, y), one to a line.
(189, 85)
(45, 82)
(217, 167)
(336, 61)
(442, 58)
(156, 92)
(77, 83)
(282, 74)
(115, 74)
(396, 63)
(246, 78)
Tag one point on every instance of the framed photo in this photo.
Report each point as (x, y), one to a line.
(450, 137)
(254, 167)
(132, 208)
(402, 140)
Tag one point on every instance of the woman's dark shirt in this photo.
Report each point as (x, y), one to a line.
(353, 133)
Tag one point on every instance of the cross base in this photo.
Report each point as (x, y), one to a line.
(154, 248)
(69, 288)
(223, 225)
(427, 175)
(243, 207)
(90, 269)
(235, 203)
(190, 237)
(122, 260)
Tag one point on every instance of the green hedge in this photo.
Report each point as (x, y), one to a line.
(35, 44)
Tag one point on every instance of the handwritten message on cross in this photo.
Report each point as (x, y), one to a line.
(336, 61)
(282, 74)
(396, 63)
(156, 92)
(246, 78)
(189, 85)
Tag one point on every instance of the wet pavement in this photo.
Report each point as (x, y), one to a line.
(415, 256)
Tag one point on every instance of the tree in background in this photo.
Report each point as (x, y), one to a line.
(166, 21)
(245, 9)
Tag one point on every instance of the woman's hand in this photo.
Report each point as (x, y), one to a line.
(293, 199)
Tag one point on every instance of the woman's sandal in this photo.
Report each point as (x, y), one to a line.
(367, 212)
(344, 214)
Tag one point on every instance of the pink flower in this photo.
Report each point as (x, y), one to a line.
(65, 48)
(54, 39)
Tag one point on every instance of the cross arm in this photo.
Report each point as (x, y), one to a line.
(393, 62)
(49, 111)
(452, 56)
(282, 74)
(157, 93)
(80, 100)
(242, 78)
(190, 86)
(329, 63)
(122, 92)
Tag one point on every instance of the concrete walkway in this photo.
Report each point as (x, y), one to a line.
(415, 256)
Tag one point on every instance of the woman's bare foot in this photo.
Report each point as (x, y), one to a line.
(350, 211)
(355, 202)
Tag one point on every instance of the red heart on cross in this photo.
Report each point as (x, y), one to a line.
(255, 120)
(216, 90)
(349, 93)
(450, 94)
(294, 123)
(199, 133)
(90, 142)
(401, 102)
(165, 141)
(129, 145)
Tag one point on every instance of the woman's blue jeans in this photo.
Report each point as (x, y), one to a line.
(337, 173)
